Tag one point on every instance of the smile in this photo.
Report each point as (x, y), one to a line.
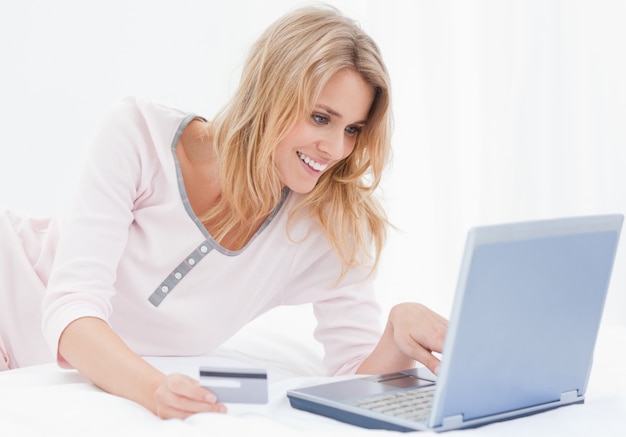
(311, 163)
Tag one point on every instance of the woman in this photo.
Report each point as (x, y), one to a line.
(183, 230)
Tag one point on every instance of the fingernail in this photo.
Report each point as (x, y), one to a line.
(210, 398)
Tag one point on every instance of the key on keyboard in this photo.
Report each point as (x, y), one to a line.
(412, 404)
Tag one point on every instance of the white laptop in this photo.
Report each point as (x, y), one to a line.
(520, 338)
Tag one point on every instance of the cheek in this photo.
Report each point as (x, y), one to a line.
(291, 141)
(284, 154)
(350, 146)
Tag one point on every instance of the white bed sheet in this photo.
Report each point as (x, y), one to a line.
(48, 401)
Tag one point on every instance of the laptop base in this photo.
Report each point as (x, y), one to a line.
(345, 416)
(371, 423)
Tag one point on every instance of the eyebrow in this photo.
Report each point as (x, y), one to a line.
(334, 113)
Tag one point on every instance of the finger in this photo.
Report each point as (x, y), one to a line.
(431, 342)
(433, 337)
(423, 356)
(423, 325)
(183, 403)
(431, 362)
(181, 396)
(188, 387)
(167, 411)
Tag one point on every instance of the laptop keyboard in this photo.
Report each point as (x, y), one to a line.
(412, 404)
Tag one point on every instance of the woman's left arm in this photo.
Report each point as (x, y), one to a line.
(413, 333)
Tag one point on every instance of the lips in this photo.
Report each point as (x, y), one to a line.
(311, 162)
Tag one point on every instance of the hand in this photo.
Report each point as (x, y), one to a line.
(180, 396)
(418, 332)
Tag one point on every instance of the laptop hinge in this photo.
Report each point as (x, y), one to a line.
(569, 396)
(452, 421)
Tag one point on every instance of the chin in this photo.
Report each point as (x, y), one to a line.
(301, 190)
(301, 185)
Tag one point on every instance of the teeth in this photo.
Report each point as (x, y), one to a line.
(314, 165)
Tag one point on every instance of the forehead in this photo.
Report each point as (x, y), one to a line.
(348, 95)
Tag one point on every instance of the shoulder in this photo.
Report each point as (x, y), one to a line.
(136, 122)
(196, 142)
(137, 109)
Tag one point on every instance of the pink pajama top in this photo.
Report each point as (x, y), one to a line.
(132, 252)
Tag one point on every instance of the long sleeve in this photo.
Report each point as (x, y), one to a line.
(95, 231)
(347, 313)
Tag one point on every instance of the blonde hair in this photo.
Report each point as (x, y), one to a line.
(281, 80)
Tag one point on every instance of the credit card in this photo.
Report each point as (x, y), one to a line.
(235, 385)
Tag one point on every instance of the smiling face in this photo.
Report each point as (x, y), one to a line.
(328, 134)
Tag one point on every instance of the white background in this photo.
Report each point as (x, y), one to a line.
(504, 110)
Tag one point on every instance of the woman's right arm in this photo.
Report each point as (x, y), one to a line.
(94, 236)
(91, 346)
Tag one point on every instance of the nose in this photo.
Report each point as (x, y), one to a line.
(334, 144)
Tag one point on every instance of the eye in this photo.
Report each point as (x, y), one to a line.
(353, 130)
(319, 119)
